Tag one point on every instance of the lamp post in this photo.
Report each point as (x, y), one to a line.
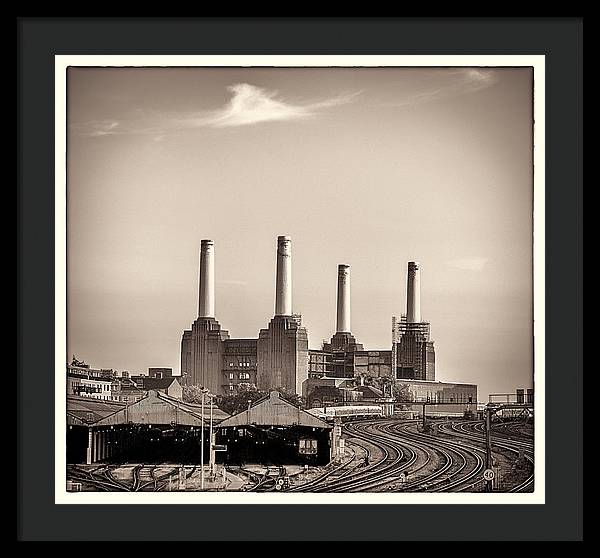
(211, 459)
(204, 392)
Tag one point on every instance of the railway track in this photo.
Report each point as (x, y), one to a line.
(394, 457)
(462, 462)
(103, 479)
(506, 436)
(452, 461)
(336, 473)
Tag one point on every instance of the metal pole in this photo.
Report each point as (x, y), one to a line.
(488, 445)
(423, 417)
(202, 445)
(212, 451)
(394, 366)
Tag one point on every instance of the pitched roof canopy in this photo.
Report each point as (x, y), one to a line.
(273, 410)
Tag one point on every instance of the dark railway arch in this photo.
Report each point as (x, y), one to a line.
(161, 429)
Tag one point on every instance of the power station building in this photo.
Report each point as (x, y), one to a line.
(280, 358)
(345, 357)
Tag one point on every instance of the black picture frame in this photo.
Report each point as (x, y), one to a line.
(559, 39)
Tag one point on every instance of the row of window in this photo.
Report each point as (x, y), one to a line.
(241, 364)
(242, 376)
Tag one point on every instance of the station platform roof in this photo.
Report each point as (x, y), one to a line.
(160, 409)
(273, 410)
(85, 411)
(155, 408)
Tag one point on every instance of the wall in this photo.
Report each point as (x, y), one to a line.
(282, 355)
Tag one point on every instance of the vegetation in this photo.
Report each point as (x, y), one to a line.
(192, 394)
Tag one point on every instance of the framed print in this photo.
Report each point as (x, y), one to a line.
(295, 285)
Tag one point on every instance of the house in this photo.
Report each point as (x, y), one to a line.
(169, 386)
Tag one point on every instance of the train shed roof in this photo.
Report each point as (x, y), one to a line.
(273, 410)
(84, 411)
(158, 408)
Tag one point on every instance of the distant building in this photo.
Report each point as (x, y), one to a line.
(89, 382)
(169, 386)
(344, 357)
(124, 390)
(450, 397)
(319, 392)
(104, 384)
(441, 392)
(160, 372)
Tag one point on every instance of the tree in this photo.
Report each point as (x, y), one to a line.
(192, 394)
(291, 397)
(239, 400)
(248, 394)
(402, 394)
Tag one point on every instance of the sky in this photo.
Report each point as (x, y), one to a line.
(371, 167)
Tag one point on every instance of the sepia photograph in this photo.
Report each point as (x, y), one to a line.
(285, 280)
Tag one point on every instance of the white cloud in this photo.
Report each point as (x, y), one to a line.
(248, 105)
(97, 128)
(252, 105)
(469, 264)
(459, 82)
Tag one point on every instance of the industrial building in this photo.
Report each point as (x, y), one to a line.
(144, 417)
(412, 349)
(278, 358)
(333, 366)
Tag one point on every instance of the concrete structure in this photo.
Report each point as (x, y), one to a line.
(282, 348)
(343, 299)
(206, 284)
(282, 354)
(344, 357)
(202, 346)
(413, 293)
(415, 352)
(278, 358)
(343, 342)
(283, 281)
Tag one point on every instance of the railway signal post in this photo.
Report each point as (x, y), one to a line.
(488, 446)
